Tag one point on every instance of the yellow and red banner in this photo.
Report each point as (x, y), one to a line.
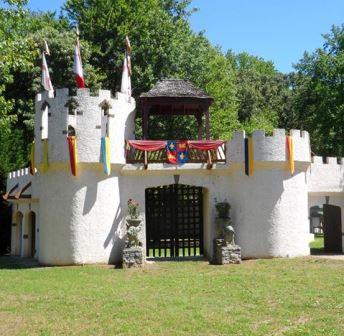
(45, 156)
(71, 141)
(290, 150)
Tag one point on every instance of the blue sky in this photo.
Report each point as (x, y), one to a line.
(277, 30)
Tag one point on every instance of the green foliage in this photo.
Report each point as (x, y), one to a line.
(319, 94)
(261, 92)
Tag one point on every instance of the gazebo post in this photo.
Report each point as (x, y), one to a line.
(145, 122)
(207, 123)
(200, 126)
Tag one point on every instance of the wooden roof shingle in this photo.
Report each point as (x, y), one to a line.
(176, 88)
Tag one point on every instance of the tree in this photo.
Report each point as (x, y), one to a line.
(319, 94)
(262, 92)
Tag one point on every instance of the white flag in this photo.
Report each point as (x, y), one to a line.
(77, 68)
(126, 81)
(46, 82)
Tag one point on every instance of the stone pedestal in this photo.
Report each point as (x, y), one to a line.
(133, 257)
(226, 254)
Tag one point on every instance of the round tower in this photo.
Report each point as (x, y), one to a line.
(270, 207)
(73, 230)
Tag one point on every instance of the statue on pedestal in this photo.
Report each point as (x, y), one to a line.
(134, 224)
(133, 254)
(225, 249)
(223, 223)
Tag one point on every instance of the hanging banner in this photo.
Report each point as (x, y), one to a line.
(71, 141)
(171, 152)
(248, 156)
(105, 151)
(290, 150)
(45, 156)
(182, 152)
(32, 158)
(177, 151)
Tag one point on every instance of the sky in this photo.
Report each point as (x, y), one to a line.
(277, 30)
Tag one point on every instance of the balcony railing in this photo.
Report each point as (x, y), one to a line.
(217, 154)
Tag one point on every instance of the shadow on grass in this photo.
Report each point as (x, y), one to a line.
(10, 262)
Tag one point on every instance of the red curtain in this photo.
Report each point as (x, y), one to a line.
(205, 144)
(154, 145)
(147, 145)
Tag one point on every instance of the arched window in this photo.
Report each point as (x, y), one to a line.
(105, 118)
(31, 249)
(72, 105)
(18, 234)
(71, 130)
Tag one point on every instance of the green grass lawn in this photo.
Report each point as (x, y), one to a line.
(317, 245)
(302, 296)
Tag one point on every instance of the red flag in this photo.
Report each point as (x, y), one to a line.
(126, 81)
(46, 81)
(77, 68)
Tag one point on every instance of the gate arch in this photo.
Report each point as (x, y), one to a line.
(18, 234)
(31, 248)
(174, 221)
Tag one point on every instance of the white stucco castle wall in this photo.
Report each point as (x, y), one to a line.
(81, 219)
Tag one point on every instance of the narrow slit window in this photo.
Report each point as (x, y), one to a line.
(105, 118)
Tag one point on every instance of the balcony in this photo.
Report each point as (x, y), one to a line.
(150, 151)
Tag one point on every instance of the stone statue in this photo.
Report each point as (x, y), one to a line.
(225, 249)
(223, 222)
(228, 233)
(134, 225)
(133, 253)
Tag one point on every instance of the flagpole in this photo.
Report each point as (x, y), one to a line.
(77, 32)
(77, 66)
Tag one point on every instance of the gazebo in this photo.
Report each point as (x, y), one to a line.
(175, 97)
(172, 97)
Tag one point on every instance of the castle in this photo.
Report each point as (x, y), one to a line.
(62, 219)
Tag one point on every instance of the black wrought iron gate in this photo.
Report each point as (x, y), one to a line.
(332, 229)
(174, 221)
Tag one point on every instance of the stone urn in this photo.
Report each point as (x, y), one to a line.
(134, 226)
(222, 209)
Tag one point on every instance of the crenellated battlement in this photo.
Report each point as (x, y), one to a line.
(319, 160)
(18, 173)
(88, 116)
(269, 148)
(326, 175)
(66, 93)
